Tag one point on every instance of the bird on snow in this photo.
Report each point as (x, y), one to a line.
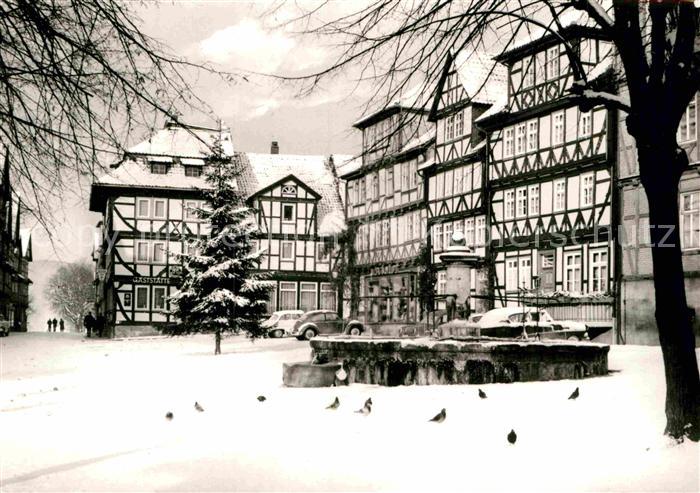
(482, 394)
(367, 408)
(335, 404)
(574, 394)
(261, 398)
(439, 417)
(512, 437)
(169, 416)
(198, 407)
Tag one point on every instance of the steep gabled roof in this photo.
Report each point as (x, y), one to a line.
(184, 141)
(483, 79)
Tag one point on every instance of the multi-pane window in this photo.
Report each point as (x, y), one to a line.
(469, 230)
(446, 234)
(587, 190)
(529, 75)
(287, 250)
(509, 204)
(508, 142)
(532, 134)
(307, 296)
(560, 195)
(142, 207)
(520, 138)
(191, 207)
(390, 181)
(584, 123)
(289, 190)
(511, 274)
(327, 296)
(288, 296)
(481, 230)
(553, 63)
(193, 171)
(159, 168)
(322, 252)
(599, 271)
(363, 190)
(375, 186)
(558, 128)
(521, 205)
(442, 283)
(690, 220)
(288, 212)
(459, 124)
(534, 199)
(437, 237)
(459, 181)
(142, 251)
(159, 208)
(572, 272)
(687, 128)
(525, 273)
(159, 252)
(450, 127)
(141, 297)
(159, 298)
(449, 183)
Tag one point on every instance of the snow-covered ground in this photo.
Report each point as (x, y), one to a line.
(80, 415)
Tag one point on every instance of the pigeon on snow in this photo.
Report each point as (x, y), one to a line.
(261, 398)
(482, 394)
(169, 416)
(367, 408)
(198, 407)
(512, 437)
(439, 417)
(574, 394)
(335, 404)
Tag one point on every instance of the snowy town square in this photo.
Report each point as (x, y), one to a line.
(367, 245)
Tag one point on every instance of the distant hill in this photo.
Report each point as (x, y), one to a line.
(40, 271)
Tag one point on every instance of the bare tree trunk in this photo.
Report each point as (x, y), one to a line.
(217, 342)
(673, 319)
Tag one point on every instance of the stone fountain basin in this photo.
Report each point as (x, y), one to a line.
(426, 361)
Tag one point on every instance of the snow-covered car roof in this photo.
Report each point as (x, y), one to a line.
(499, 315)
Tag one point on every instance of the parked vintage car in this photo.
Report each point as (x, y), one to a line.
(5, 326)
(531, 323)
(281, 322)
(317, 322)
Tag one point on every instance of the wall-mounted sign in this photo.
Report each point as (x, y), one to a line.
(151, 280)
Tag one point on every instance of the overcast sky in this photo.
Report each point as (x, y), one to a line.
(237, 36)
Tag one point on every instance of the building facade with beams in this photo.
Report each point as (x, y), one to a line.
(550, 174)
(457, 193)
(15, 255)
(385, 208)
(148, 203)
(636, 286)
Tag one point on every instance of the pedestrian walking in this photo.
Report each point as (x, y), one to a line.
(54, 322)
(89, 323)
(48, 325)
(61, 325)
(100, 323)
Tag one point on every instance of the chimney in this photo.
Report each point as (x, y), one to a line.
(274, 147)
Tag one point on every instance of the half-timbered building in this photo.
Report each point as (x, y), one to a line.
(637, 324)
(550, 172)
(456, 179)
(15, 255)
(149, 202)
(385, 207)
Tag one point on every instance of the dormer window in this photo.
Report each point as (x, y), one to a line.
(193, 171)
(159, 168)
(289, 190)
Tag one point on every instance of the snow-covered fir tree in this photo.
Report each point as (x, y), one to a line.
(221, 289)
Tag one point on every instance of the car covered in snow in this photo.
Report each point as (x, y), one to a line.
(530, 323)
(317, 322)
(281, 322)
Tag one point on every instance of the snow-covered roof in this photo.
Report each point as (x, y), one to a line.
(349, 166)
(262, 170)
(332, 224)
(136, 172)
(415, 98)
(484, 80)
(184, 141)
